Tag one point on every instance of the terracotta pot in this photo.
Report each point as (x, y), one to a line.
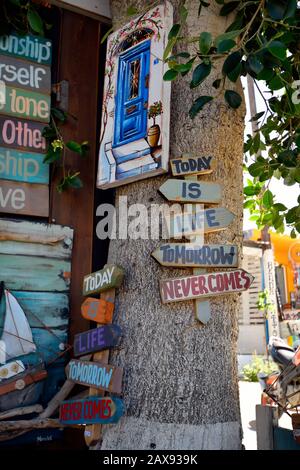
(153, 135)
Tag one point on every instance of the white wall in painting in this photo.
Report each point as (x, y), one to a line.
(134, 145)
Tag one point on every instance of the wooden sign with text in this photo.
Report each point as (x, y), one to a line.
(202, 221)
(22, 135)
(204, 285)
(107, 410)
(196, 255)
(24, 198)
(32, 48)
(23, 166)
(98, 310)
(26, 104)
(191, 191)
(96, 375)
(97, 339)
(23, 74)
(107, 278)
(192, 165)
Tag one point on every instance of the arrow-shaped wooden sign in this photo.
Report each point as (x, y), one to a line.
(196, 255)
(96, 375)
(91, 410)
(191, 191)
(108, 277)
(203, 221)
(97, 339)
(98, 310)
(204, 285)
(192, 165)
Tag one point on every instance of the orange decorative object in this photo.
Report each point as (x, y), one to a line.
(98, 310)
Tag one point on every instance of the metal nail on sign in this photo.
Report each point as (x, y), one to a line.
(98, 310)
(97, 339)
(107, 410)
(110, 276)
(204, 285)
(96, 375)
(196, 255)
(192, 165)
(191, 191)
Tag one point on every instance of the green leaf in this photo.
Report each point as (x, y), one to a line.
(169, 47)
(75, 182)
(105, 36)
(291, 215)
(132, 10)
(293, 233)
(74, 146)
(198, 104)
(233, 99)
(268, 199)
(228, 8)
(183, 12)
(256, 168)
(225, 45)
(276, 9)
(235, 73)
(276, 83)
(205, 42)
(170, 75)
(184, 55)
(265, 74)
(277, 49)
(35, 21)
(257, 116)
(174, 31)
(200, 73)
(250, 191)
(183, 67)
(255, 64)
(59, 114)
(231, 62)
(279, 207)
(228, 35)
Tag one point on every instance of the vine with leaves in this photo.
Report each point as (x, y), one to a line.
(28, 17)
(263, 41)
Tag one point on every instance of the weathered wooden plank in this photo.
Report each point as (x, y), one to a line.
(24, 198)
(107, 410)
(108, 277)
(95, 374)
(23, 74)
(50, 343)
(264, 427)
(22, 135)
(31, 273)
(33, 48)
(196, 255)
(22, 166)
(98, 310)
(41, 233)
(204, 285)
(25, 410)
(97, 339)
(22, 380)
(188, 165)
(191, 191)
(26, 104)
(58, 250)
(50, 308)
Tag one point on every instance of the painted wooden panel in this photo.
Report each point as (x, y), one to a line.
(26, 104)
(192, 165)
(91, 410)
(204, 285)
(97, 339)
(191, 191)
(24, 198)
(22, 135)
(23, 74)
(196, 255)
(98, 310)
(134, 138)
(96, 375)
(22, 381)
(50, 343)
(23, 166)
(108, 277)
(205, 221)
(33, 48)
(35, 274)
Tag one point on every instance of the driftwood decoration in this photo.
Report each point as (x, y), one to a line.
(37, 423)
(25, 410)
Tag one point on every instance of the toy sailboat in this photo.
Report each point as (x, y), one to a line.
(16, 341)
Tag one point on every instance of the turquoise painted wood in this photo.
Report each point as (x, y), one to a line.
(34, 273)
(33, 48)
(23, 166)
(26, 104)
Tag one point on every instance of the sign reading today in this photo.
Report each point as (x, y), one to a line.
(192, 165)
(204, 285)
(25, 80)
(107, 278)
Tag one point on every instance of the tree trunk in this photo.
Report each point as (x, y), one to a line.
(180, 383)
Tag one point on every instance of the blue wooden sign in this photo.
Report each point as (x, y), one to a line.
(91, 410)
(33, 48)
(97, 339)
(23, 166)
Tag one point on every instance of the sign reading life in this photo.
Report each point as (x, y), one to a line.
(25, 84)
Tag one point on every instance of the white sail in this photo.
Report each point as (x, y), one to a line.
(17, 334)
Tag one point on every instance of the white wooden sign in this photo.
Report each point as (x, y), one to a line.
(191, 191)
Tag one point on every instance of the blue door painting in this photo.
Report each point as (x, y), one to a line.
(132, 95)
(134, 137)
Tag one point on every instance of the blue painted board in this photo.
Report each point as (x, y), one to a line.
(22, 166)
(31, 273)
(33, 48)
(91, 410)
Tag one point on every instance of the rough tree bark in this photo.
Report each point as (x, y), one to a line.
(181, 381)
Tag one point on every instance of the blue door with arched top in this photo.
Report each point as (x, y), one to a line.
(131, 101)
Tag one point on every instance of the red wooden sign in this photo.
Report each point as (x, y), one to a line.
(98, 310)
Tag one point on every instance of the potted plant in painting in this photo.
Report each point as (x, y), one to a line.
(154, 131)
